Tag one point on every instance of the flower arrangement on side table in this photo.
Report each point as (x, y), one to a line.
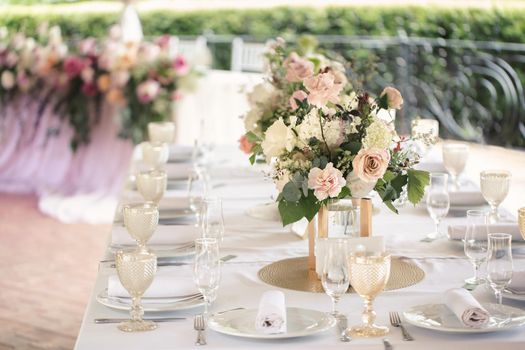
(323, 140)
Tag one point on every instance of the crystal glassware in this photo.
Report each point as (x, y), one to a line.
(155, 154)
(161, 132)
(499, 264)
(455, 156)
(212, 219)
(207, 269)
(494, 188)
(438, 202)
(152, 185)
(197, 190)
(136, 271)
(475, 242)
(141, 221)
(335, 277)
(521, 221)
(369, 275)
(343, 218)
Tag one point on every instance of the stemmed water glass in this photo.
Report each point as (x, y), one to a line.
(152, 185)
(455, 156)
(475, 242)
(499, 265)
(155, 154)
(141, 221)
(136, 271)
(494, 188)
(438, 202)
(369, 275)
(212, 220)
(207, 269)
(335, 277)
(198, 186)
(161, 132)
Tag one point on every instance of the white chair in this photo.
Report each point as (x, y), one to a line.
(247, 57)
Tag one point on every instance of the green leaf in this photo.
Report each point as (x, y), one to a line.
(250, 136)
(290, 212)
(252, 159)
(305, 188)
(398, 182)
(352, 146)
(291, 192)
(383, 102)
(310, 205)
(389, 176)
(417, 181)
(391, 206)
(345, 192)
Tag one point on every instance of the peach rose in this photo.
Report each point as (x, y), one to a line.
(297, 95)
(326, 182)
(103, 82)
(323, 89)
(297, 68)
(245, 145)
(370, 164)
(395, 100)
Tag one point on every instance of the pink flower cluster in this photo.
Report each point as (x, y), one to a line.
(326, 182)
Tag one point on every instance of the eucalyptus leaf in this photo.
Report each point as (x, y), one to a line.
(291, 192)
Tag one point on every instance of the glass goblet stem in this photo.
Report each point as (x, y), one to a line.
(369, 314)
(335, 302)
(498, 296)
(136, 311)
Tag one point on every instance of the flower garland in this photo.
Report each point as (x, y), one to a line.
(323, 140)
(141, 80)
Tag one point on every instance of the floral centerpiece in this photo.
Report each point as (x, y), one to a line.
(323, 140)
(140, 80)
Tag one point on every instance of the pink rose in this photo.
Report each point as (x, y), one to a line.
(297, 95)
(370, 164)
(395, 100)
(163, 42)
(180, 66)
(245, 145)
(323, 89)
(73, 65)
(148, 90)
(297, 68)
(88, 46)
(89, 89)
(326, 182)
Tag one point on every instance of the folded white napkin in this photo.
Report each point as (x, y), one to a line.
(517, 284)
(465, 197)
(466, 308)
(271, 316)
(180, 152)
(177, 171)
(165, 234)
(458, 231)
(173, 281)
(165, 204)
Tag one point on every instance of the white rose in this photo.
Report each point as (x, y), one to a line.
(8, 80)
(263, 94)
(277, 139)
(358, 188)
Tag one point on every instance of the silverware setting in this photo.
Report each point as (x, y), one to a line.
(387, 344)
(199, 324)
(395, 320)
(170, 261)
(175, 299)
(118, 320)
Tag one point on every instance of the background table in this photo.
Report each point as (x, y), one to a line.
(257, 243)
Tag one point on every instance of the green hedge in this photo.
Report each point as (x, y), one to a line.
(472, 24)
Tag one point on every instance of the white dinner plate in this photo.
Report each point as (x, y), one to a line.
(300, 323)
(513, 296)
(151, 305)
(440, 318)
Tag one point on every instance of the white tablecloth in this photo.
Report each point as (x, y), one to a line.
(257, 243)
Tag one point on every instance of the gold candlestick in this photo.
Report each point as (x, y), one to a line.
(366, 217)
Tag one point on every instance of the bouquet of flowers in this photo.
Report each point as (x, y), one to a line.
(325, 141)
(141, 80)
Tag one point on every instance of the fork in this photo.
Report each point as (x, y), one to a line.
(395, 321)
(200, 325)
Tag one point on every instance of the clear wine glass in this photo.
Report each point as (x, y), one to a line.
(335, 277)
(207, 269)
(136, 271)
(197, 190)
(494, 188)
(152, 185)
(475, 242)
(499, 264)
(155, 154)
(161, 132)
(455, 156)
(369, 275)
(438, 203)
(212, 218)
(141, 221)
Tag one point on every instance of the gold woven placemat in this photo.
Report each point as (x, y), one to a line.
(294, 274)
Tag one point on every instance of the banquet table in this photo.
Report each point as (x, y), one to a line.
(257, 243)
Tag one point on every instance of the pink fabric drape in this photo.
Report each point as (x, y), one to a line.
(35, 155)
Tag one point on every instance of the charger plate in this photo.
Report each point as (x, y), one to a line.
(294, 274)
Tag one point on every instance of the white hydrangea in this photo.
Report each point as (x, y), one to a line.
(251, 119)
(378, 135)
(351, 128)
(263, 95)
(311, 127)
